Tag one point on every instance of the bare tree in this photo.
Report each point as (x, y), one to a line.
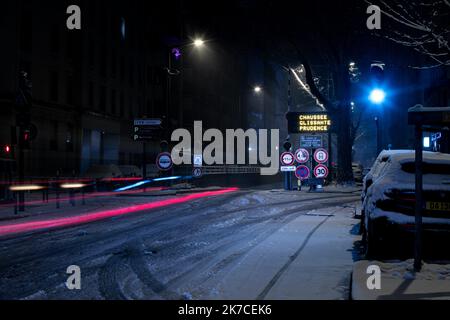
(420, 25)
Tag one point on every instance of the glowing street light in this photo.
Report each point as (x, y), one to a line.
(377, 96)
(257, 89)
(198, 43)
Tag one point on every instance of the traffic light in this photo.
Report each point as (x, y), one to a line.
(287, 146)
(6, 151)
(24, 101)
(25, 138)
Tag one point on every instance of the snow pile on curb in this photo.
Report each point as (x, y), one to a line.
(398, 281)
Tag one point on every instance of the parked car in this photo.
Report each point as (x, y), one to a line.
(389, 198)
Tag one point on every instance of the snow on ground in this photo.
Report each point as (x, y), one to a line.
(400, 282)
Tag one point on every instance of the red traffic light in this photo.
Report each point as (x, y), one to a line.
(7, 149)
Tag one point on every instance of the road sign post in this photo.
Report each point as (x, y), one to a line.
(420, 116)
(287, 159)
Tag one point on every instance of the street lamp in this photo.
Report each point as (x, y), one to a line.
(257, 89)
(199, 43)
(377, 96)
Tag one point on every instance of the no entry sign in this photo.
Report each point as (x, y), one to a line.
(321, 156)
(302, 172)
(287, 159)
(164, 161)
(302, 156)
(321, 171)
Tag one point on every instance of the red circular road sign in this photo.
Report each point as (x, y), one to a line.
(321, 171)
(164, 161)
(321, 156)
(302, 155)
(302, 172)
(287, 159)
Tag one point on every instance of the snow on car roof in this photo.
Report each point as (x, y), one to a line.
(394, 176)
(430, 157)
(421, 108)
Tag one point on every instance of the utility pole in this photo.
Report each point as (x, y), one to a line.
(419, 199)
(23, 121)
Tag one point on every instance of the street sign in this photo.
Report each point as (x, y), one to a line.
(288, 168)
(321, 171)
(308, 122)
(148, 122)
(146, 129)
(321, 156)
(302, 172)
(302, 156)
(287, 159)
(197, 172)
(164, 161)
(312, 142)
(436, 136)
(198, 160)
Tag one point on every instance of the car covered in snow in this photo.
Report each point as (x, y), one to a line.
(389, 198)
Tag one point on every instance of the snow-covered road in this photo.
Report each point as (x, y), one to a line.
(250, 244)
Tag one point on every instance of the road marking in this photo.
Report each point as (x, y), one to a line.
(292, 258)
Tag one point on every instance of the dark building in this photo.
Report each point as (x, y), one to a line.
(89, 84)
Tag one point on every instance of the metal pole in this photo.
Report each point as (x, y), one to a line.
(379, 147)
(21, 171)
(144, 160)
(419, 199)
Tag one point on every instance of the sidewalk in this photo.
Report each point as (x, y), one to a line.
(399, 282)
(309, 258)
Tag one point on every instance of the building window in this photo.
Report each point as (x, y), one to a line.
(113, 102)
(130, 108)
(54, 136)
(26, 31)
(131, 75)
(103, 60)
(102, 99)
(113, 63)
(69, 138)
(54, 86)
(91, 94)
(122, 105)
(91, 54)
(122, 68)
(70, 89)
(54, 39)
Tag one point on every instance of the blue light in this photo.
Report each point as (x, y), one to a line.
(136, 185)
(377, 96)
(167, 179)
(141, 183)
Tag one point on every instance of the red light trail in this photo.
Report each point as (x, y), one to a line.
(101, 215)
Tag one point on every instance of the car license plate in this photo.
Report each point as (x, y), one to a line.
(438, 206)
